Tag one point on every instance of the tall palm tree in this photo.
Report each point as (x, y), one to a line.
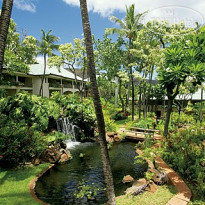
(46, 47)
(97, 103)
(4, 27)
(129, 28)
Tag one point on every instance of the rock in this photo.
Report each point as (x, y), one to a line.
(63, 145)
(37, 161)
(117, 138)
(51, 155)
(151, 187)
(127, 179)
(150, 165)
(111, 134)
(64, 158)
(160, 177)
(137, 187)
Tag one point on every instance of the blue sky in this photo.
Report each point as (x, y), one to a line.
(63, 16)
(63, 19)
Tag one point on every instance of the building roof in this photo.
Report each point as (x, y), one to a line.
(38, 70)
(79, 73)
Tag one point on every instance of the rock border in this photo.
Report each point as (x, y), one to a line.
(183, 195)
(32, 185)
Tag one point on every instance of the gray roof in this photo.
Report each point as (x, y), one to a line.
(196, 96)
(38, 69)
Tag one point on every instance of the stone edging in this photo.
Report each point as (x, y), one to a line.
(183, 195)
(32, 185)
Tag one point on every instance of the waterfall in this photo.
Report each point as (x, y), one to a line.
(65, 126)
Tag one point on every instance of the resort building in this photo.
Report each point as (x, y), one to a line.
(60, 80)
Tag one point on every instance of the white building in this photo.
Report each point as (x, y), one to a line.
(55, 80)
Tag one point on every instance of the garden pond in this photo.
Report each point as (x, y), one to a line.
(61, 183)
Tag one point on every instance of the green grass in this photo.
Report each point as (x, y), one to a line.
(160, 197)
(14, 185)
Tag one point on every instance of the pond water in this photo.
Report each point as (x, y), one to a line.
(60, 183)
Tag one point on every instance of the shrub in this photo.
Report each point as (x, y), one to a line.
(79, 113)
(120, 115)
(23, 118)
(145, 123)
(110, 125)
(185, 153)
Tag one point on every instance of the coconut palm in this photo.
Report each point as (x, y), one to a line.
(97, 103)
(4, 27)
(46, 47)
(128, 29)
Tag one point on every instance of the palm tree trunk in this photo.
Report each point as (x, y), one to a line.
(43, 78)
(97, 103)
(120, 96)
(140, 100)
(201, 109)
(167, 119)
(131, 78)
(4, 27)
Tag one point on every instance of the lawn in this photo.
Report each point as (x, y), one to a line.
(160, 197)
(14, 185)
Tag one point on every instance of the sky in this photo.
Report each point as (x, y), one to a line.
(64, 19)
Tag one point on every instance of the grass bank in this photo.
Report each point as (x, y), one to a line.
(14, 185)
(160, 197)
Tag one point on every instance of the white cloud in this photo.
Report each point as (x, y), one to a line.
(107, 7)
(26, 5)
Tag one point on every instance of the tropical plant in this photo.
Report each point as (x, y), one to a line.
(23, 118)
(98, 107)
(46, 47)
(182, 63)
(129, 28)
(79, 113)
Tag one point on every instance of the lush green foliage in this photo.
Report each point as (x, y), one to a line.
(22, 119)
(185, 152)
(80, 113)
(145, 123)
(19, 53)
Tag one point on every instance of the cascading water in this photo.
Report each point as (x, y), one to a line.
(65, 126)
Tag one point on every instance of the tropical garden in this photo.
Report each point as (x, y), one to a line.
(141, 76)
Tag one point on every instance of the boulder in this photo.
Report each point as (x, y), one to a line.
(127, 179)
(37, 161)
(51, 155)
(159, 177)
(117, 138)
(111, 134)
(151, 187)
(137, 187)
(64, 158)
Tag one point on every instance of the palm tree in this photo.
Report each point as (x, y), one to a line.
(97, 103)
(4, 27)
(46, 47)
(129, 28)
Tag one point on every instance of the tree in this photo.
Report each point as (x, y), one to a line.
(111, 59)
(18, 54)
(46, 47)
(97, 103)
(129, 28)
(72, 56)
(183, 62)
(4, 27)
